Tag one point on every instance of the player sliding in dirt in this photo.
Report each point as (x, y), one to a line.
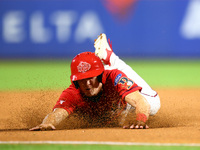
(104, 91)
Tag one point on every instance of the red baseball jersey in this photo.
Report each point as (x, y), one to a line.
(116, 85)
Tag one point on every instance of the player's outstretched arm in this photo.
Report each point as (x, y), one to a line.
(52, 120)
(136, 100)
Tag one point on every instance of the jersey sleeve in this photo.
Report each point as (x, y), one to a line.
(122, 84)
(68, 100)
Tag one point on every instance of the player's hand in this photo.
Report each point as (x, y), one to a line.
(43, 127)
(138, 125)
(141, 120)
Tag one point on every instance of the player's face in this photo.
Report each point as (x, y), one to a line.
(90, 86)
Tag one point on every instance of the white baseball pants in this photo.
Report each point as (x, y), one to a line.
(150, 95)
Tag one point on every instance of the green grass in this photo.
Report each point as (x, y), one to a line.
(91, 147)
(35, 75)
(30, 75)
(169, 73)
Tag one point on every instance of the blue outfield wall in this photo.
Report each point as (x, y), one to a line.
(63, 28)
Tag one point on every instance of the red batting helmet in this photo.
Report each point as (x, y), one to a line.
(85, 65)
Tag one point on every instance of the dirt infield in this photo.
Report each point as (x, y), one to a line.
(178, 120)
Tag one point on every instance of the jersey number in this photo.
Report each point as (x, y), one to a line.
(125, 82)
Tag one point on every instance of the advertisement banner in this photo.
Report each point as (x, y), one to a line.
(64, 28)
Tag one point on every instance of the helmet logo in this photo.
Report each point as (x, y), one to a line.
(83, 67)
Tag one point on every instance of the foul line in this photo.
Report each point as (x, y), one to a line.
(99, 143)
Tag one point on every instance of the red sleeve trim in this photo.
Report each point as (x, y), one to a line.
(67, 109)
(135, 88)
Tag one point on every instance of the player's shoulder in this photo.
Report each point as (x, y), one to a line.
(112, 74)
(71, 91)
(71, 88)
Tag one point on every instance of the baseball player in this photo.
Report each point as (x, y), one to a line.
(104, 90)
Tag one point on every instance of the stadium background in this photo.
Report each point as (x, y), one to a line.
(63, 28)
(160, 39)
